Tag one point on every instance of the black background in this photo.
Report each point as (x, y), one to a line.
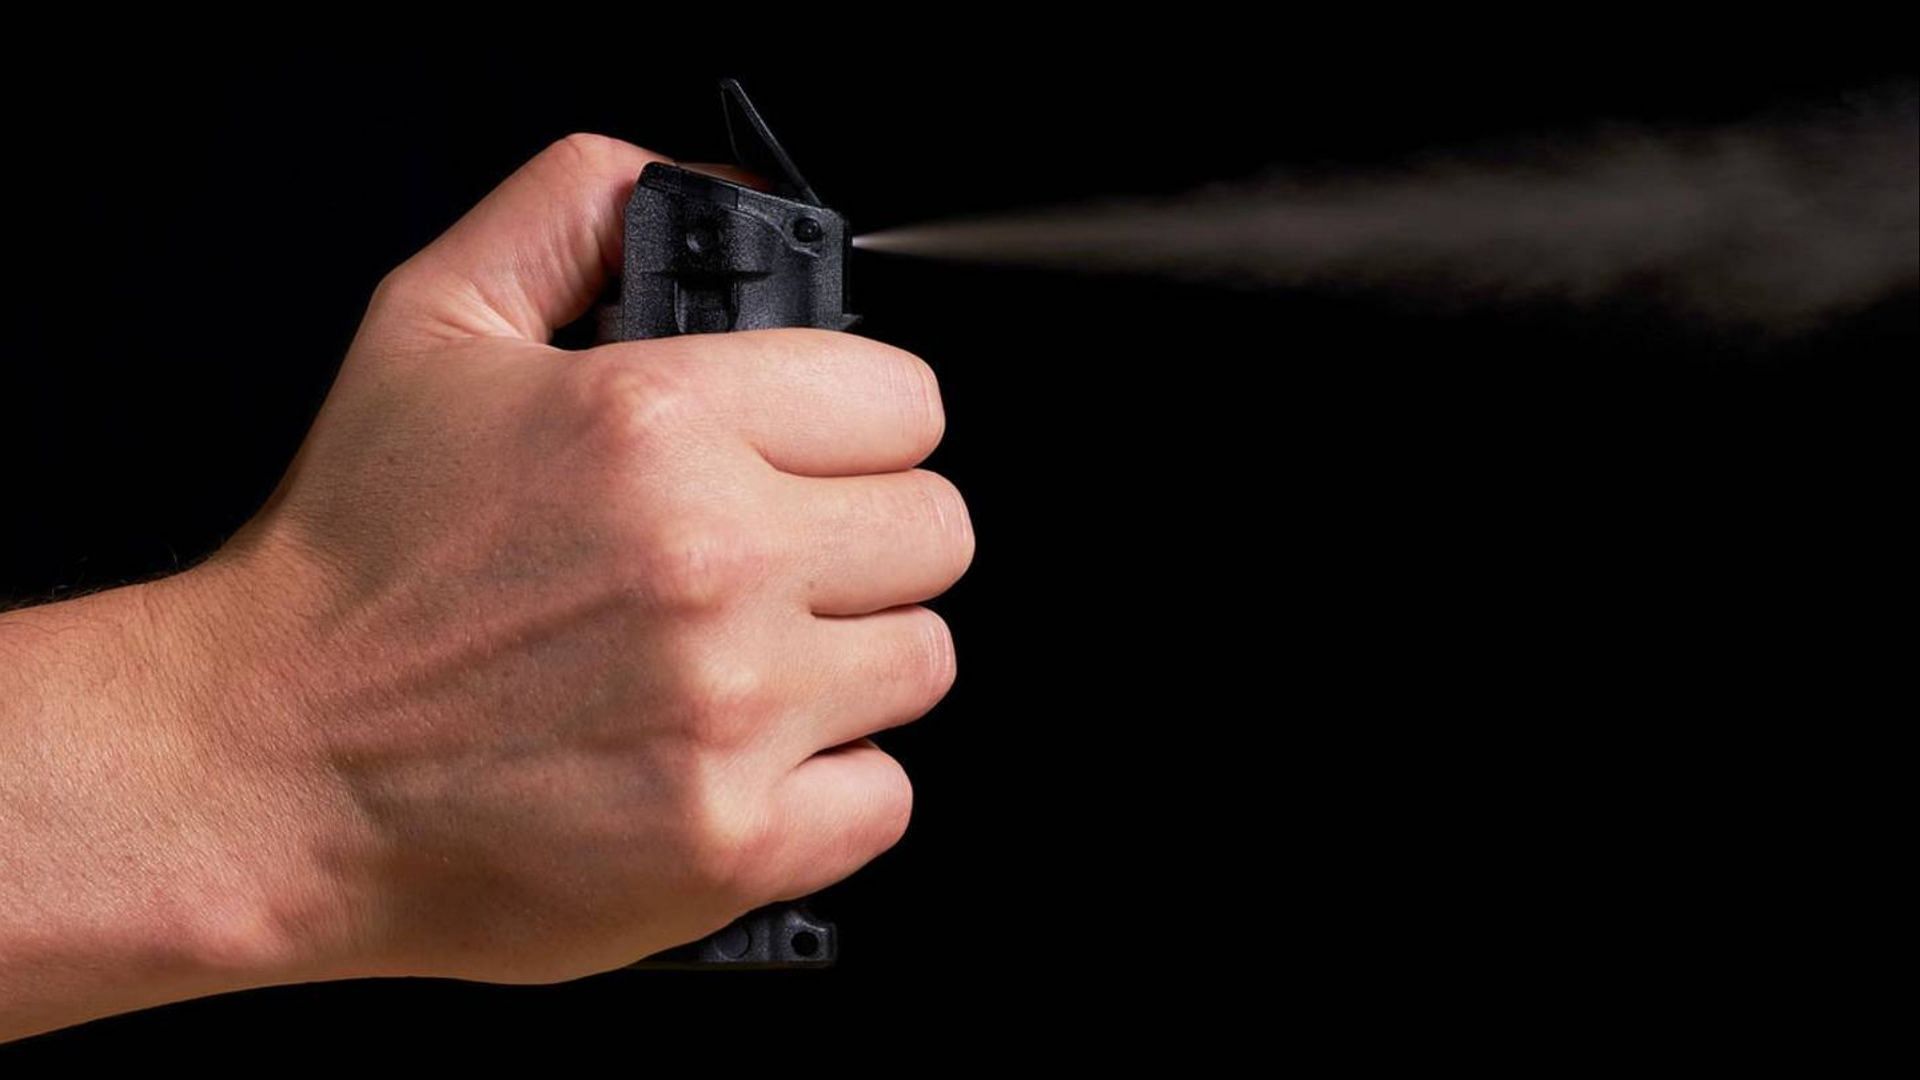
(1329, 659)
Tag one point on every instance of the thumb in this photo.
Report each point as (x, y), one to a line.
(530, 257)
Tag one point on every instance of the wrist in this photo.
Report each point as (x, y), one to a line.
(270, 830)
(149, 849)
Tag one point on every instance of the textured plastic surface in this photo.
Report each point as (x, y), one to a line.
(755, 147)
(705, 255)
(777, 936)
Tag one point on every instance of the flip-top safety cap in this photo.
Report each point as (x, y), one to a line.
(755, 147)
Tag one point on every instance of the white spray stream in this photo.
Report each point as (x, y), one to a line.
(1778, 223)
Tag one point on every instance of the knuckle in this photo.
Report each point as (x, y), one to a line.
(582, 150)
(692, 567)
(933, 665)
(636, 409)
(721, 697)
(926, 415)
(719, 834)
(947, 509)
(393, 281)
(397, 287)
(892, 807)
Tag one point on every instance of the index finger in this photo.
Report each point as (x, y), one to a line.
(812, 402)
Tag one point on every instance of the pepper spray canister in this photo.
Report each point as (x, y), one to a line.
(707, 255)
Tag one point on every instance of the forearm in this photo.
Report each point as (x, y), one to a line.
(140, 860)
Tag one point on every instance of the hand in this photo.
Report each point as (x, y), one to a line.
(536, 663)
(590, 644)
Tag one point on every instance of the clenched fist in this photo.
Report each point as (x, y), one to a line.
(538, 661)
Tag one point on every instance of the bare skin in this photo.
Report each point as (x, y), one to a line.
(537, 662)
